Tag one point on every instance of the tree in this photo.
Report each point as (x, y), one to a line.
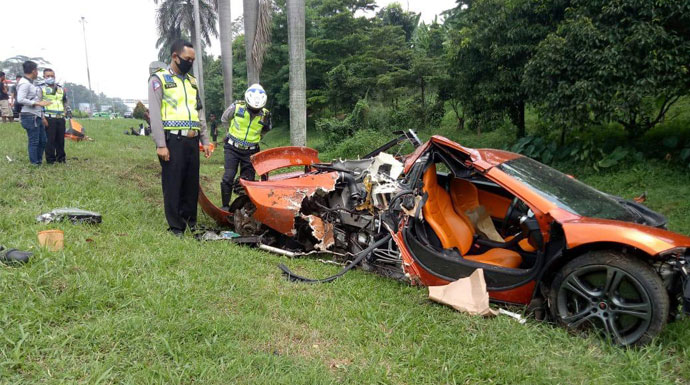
(175, 19)
(257, 36)
(427, 66)
(394, 15)
(13, 65)
(491, 43)
(298, 81)
(250, 12)
(77, 94)
(225, 22)
(626, 61)
(139, 111)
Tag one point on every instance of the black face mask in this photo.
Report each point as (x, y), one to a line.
(184, 65)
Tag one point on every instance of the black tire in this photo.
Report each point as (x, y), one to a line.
(611, 292)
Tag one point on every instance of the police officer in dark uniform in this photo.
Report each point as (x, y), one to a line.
(55, 115)
(248, 121)
(177, 127)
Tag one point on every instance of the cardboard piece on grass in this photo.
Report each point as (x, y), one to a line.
(467, 295)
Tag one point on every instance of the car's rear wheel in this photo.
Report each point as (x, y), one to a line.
(611, 292)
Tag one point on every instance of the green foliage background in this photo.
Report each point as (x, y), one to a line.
(577, 68)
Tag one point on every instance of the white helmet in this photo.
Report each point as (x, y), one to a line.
(255, 96)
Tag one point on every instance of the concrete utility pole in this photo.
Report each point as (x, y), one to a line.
(86, 53)
(199, 61)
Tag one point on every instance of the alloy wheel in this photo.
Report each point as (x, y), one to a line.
(608, 299)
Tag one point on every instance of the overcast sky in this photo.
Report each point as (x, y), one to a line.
(121, 38)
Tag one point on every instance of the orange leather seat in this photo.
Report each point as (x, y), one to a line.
(465, 197)
(455, 230)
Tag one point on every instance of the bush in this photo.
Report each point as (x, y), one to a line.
(139, 111)
(334, 130)
(353, 147)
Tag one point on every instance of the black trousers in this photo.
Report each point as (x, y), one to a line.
(180, 179)
(236, 157)
(55, 145)
(214, 133)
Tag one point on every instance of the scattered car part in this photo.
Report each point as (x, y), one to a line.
(14, 256)
(276, 250)
(74, 215)
(521, 320)
(356, 261)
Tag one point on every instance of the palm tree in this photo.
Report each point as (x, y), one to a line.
(175, 19)
(250, 12)
(298, 82)
(225, 22)
(257, 35)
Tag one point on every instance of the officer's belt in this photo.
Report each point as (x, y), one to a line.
(241, 144)
(47, 115)
(187, 133)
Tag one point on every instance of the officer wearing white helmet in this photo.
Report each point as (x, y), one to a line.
(248, 121)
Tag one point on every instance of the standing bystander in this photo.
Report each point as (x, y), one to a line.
(178, 128)
(214, 128)
(16, 107)
(30, 97)
(5, 110)
(55, 115)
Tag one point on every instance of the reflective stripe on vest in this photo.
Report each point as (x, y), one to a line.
(178, 107)
(243, 127)
(55, 97)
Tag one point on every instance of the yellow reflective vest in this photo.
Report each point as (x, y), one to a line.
(179, 104)
(54, 96)
(244, 128)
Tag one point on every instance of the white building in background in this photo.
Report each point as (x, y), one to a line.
(84, 107)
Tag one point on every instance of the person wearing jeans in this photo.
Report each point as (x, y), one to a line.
(30, 97)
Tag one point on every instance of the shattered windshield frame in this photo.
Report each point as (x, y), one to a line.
(566, 192)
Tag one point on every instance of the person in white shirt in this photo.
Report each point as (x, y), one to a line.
(30, 96)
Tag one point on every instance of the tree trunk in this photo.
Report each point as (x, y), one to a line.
(298, 80)
(517, 116)
(225, 21)
(461, 118)
(199, 61)
(251, 14)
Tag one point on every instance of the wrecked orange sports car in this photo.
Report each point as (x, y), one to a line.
(570, 253)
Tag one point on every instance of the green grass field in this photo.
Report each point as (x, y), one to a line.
(125, 303)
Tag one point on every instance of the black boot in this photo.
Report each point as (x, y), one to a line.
(225, 194)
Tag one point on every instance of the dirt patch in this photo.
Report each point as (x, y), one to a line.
(146, 178)
(336, 364)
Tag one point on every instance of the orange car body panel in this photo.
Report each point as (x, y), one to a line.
(420, 276)
(282, 157)
(221, 217)
(651, 240)
(278, 201)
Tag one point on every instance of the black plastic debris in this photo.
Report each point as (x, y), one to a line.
(76, 216)
(14, 256)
